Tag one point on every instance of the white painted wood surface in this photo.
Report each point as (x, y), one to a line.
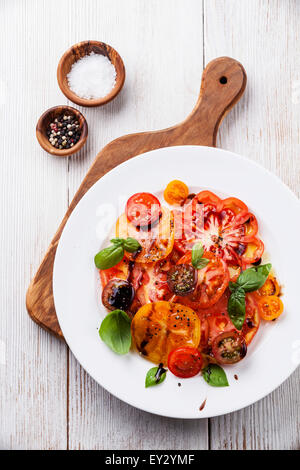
(46, 400)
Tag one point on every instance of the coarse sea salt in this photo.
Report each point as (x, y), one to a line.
(93, 76)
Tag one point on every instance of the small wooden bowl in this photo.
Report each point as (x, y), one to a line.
(47, 117)
(80, 50)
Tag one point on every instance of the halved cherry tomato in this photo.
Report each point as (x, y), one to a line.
(185, 362)
(176, 192)
(143, 209)
(212, 281)
(270, 307)
(160, 327)
(117, 294)
(182, 279)
(229, 347)
(156, 242)
(270, 287)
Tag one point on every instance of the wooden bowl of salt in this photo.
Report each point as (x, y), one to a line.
(91, 73)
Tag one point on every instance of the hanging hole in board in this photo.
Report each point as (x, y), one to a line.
(223, 80)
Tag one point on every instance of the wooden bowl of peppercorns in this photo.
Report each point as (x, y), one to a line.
(62, 130)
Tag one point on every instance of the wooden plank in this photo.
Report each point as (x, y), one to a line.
(264, 36)
(33, 392)
(161, 88)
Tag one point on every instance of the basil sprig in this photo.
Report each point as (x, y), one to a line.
(254, 278)
(215, 376)
(155, 376)
(248, 281)
(113, 254)
(115, 331)
(197, 256)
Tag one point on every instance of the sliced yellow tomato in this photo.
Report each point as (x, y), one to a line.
(176, 192)
(156, 242)
(160, 327)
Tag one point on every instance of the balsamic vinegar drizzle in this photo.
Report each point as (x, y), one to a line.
(203, 405)
(160, 372)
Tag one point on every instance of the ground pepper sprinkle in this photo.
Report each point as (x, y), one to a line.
(64, 132)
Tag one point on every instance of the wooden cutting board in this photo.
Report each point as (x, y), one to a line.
(223, 83)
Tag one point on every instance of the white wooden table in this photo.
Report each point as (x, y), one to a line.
(47, 401)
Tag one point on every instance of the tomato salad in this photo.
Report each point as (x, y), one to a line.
(185, 283)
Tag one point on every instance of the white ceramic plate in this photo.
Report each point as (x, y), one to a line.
(274, 353)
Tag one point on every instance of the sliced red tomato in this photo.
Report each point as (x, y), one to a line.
(185, 362)
(235, 205)
(143, 209)
(225, 228)
(204, 333)
(250, 226)
(211, 283)
(252, 252)
(234, 271)
(150, 284)
(229, 347)
(120, 271)
(219, 322)
(209, 200)
(252, 320)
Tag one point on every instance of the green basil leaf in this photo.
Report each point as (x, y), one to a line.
(118, 241)
(131, 245)
(109, 257)
(233, 286)
(115, 331)
(254, 278)
(237, 307)
(197, 253)
(151, 377)
(215, 376)
(203, 262)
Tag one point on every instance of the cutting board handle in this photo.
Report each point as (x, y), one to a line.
(223, 83)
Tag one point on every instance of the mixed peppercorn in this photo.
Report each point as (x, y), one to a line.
(64, 132)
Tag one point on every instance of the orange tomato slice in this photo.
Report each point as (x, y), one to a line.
(156, 242)
(270, 287)
(160, 327)
(270, 307)
(176, 192)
